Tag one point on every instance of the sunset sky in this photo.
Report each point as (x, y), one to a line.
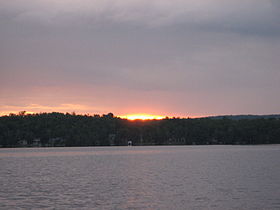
(158, 57)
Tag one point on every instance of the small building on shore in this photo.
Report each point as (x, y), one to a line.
(36, 142)
(22, 143)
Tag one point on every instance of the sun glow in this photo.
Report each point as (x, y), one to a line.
(142, 117)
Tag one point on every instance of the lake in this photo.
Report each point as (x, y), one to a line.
(156, 177)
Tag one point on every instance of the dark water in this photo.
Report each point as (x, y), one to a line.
(185, 177)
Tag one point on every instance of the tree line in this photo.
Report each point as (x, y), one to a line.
(58, 129)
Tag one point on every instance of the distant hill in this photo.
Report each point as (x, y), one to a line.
(249, 117)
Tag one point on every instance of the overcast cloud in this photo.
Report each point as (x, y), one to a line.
(165, 57)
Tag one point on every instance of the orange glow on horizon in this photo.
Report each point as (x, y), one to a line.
(142, 117)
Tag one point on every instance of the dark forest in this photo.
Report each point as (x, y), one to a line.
(58, 129)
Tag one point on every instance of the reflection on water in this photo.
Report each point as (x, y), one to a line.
(185, 177)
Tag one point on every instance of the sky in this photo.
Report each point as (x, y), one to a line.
(182, 58)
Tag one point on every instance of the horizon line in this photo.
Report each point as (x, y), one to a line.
(130, 116)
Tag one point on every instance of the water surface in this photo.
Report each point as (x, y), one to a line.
(159, 177)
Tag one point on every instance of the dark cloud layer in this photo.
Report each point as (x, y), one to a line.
(185, 57)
